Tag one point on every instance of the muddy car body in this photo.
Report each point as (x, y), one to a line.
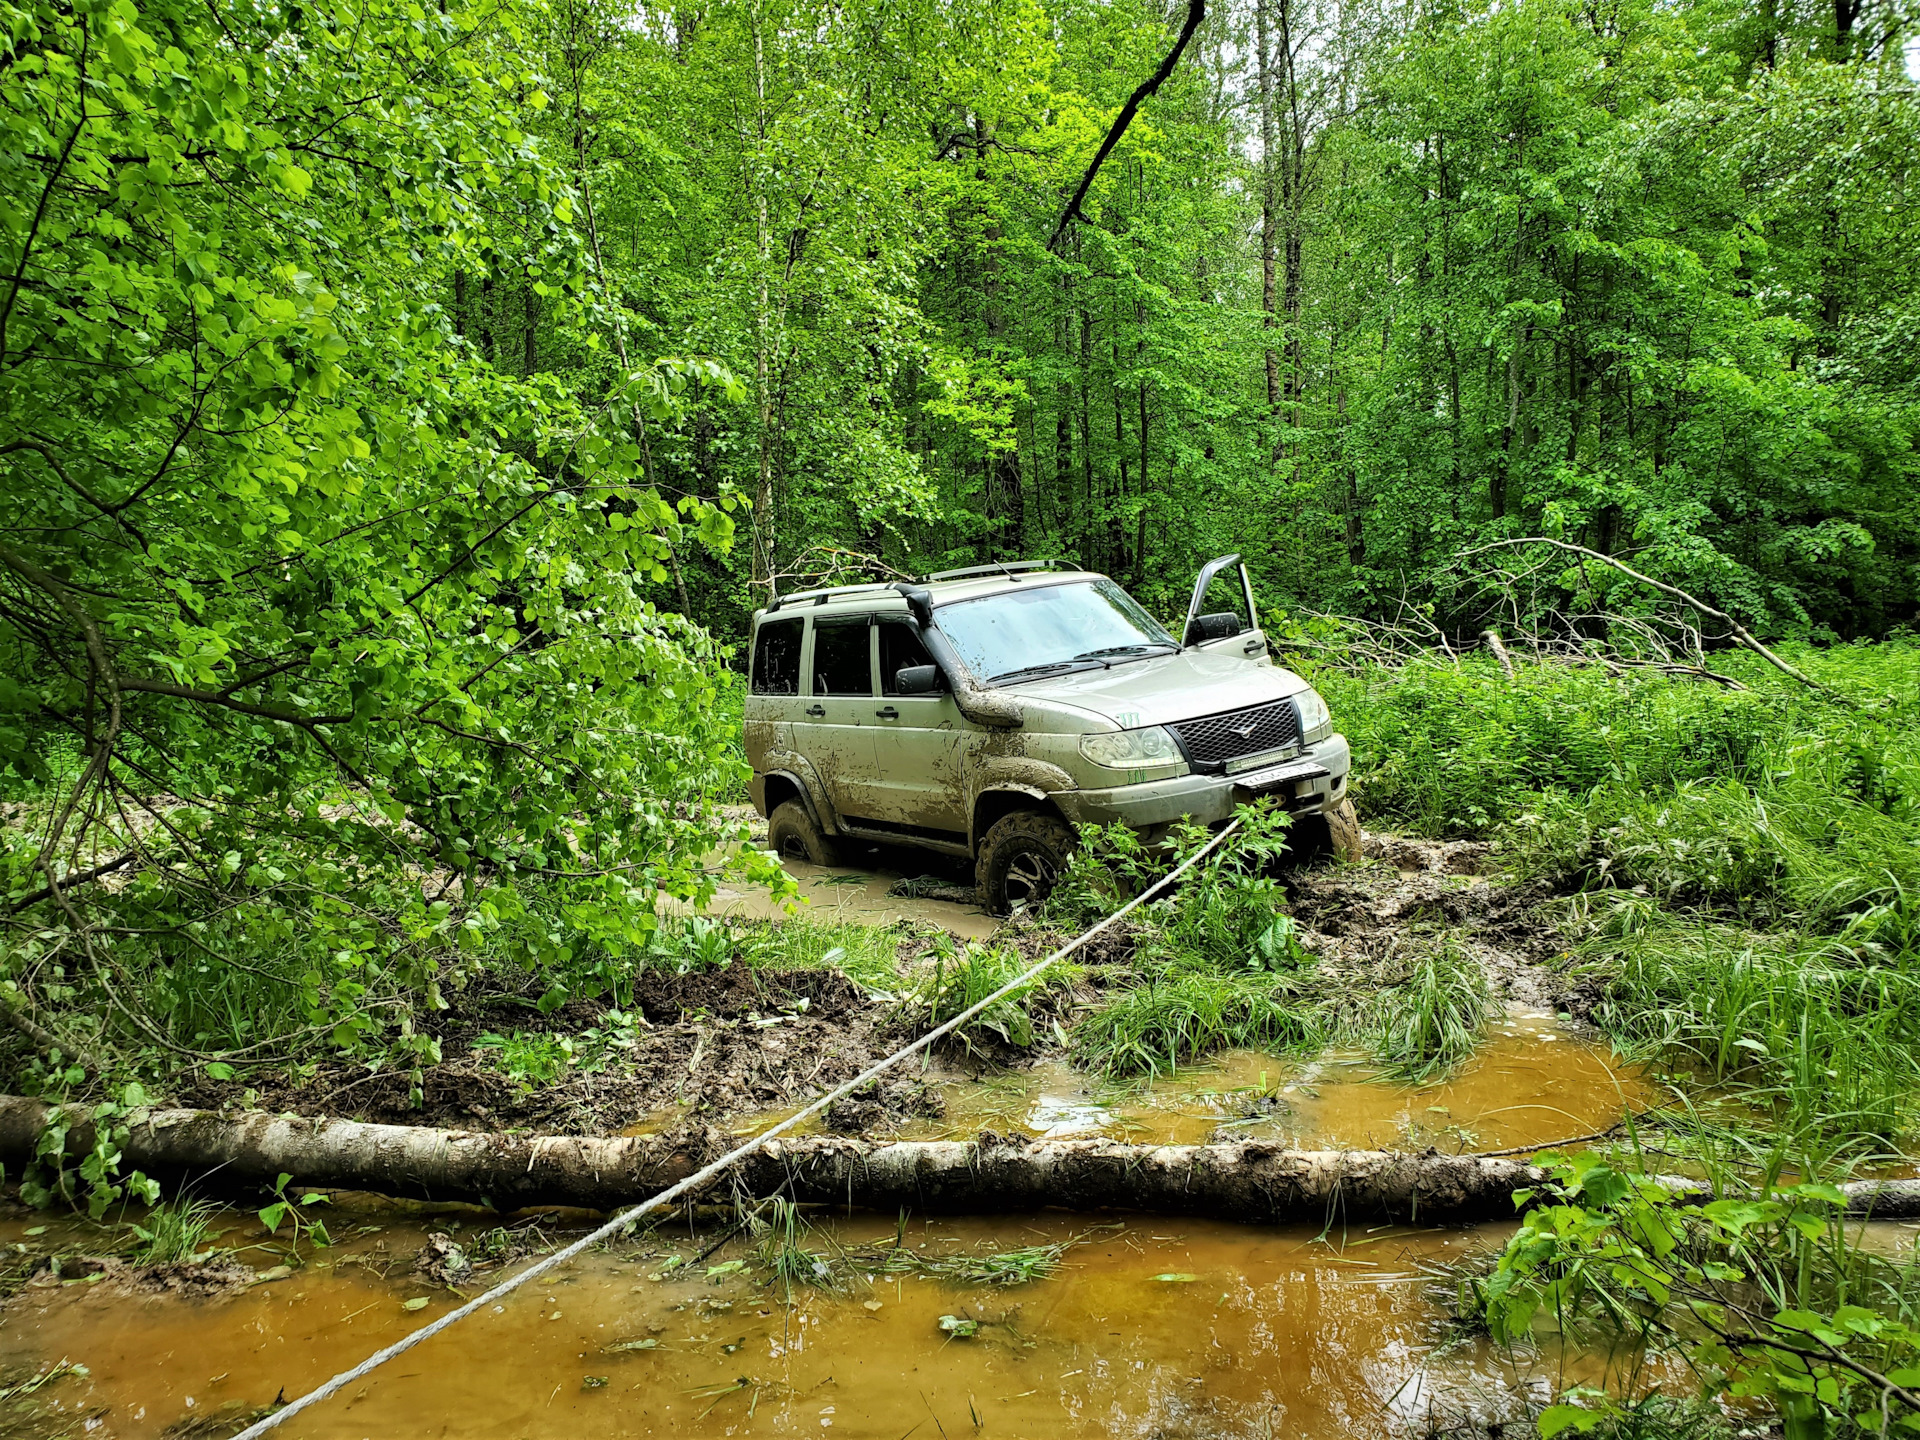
(983, 713)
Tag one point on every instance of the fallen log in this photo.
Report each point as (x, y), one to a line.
(1249, 1181)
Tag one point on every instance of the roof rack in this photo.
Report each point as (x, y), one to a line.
(1012, 569)
(824, 594)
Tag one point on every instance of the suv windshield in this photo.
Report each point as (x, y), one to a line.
(1051, 628)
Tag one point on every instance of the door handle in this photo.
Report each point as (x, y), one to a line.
(1254, 647)
(888, 714)
(816, 710)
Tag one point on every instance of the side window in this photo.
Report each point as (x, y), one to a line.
(842, 663)
(900, 648)
(776, 657)
(1225, 597)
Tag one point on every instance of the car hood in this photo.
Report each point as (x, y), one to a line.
(1165, 689)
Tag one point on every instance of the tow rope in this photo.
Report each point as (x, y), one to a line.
(626, 1218)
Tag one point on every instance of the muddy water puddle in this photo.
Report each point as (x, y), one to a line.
(1531, 1082)
(890, 887)
(1153, 1327)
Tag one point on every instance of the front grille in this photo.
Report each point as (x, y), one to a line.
(1213, 740)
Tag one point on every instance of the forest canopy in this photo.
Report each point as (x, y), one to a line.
(405, 407)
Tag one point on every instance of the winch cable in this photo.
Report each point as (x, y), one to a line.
(625, 1219)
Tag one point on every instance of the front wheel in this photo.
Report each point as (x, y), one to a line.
(1332, 833)
(1021, 859)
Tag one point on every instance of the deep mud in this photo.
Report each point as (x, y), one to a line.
(716, 1044)
(744, 1046)
(1364, 920)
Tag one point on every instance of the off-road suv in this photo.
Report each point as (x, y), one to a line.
(985, 712)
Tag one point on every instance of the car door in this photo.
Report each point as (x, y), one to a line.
(1232, 625)
(773, 692)
(917, 779)
(835, 730)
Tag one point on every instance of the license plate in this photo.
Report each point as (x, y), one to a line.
(1280, 775)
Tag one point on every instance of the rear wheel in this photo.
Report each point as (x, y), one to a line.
(1021, 859)
(792, 835)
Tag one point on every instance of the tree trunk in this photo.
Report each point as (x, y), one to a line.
(529, 313)
(486, 316)
(1269, 141)
(1250, 1181)
(1140, 520)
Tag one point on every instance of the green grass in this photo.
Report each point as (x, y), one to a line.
(864, 953)
(1175, 1020)
(1746, 864)
(1430, 1021)
(961, 977)
(174, 1231)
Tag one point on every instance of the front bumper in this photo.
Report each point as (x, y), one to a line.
(1311, 782)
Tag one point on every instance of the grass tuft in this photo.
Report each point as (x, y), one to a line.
(1430, 1021)
(1176, 1019)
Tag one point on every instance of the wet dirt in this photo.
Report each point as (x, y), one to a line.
(1148, 1329)
(745, 1046)
(708, 1044)
(883, 895)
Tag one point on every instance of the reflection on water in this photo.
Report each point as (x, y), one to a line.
(1165, 1329)
(1530, 1083)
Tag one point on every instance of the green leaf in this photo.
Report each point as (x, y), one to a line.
(1560, 1419)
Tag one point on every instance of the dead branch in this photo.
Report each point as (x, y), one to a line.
(1494, 644)
(1739, 631)
(1196, 12)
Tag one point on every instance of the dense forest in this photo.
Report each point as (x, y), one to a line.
(404, 408)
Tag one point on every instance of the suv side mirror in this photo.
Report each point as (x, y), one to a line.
(917, 680)
(1221, 625)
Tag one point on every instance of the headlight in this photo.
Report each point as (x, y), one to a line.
(1316, 721)
(1131, 749)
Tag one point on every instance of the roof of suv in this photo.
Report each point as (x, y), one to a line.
(882, 596)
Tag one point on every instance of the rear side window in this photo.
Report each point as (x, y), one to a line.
(776, 658)
(900, 648)
(841, 665)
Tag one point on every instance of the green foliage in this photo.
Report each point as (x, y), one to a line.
(337, 629)
(1166, 1022)
(863, 953)
(964, 976)
(292, 1211)
(175, 1232)
(97, 1178)
(694, 944)
(1762, 1291)
(1430, 1021)
(791, 1262)
(1448, 748)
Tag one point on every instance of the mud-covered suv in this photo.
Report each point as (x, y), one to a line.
(985, 712)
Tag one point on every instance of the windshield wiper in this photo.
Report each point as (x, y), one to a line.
(1052, 667)
(1118, 650)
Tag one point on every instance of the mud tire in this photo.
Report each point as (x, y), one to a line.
(1329, 835)
(792, 835)
(1020, 859)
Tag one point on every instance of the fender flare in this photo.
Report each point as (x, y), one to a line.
(1021, 777)
(786, 765)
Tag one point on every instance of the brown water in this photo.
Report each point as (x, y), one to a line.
(1531, 1082)
(1157, 1329)
(1162, 1328)
(834, 895)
